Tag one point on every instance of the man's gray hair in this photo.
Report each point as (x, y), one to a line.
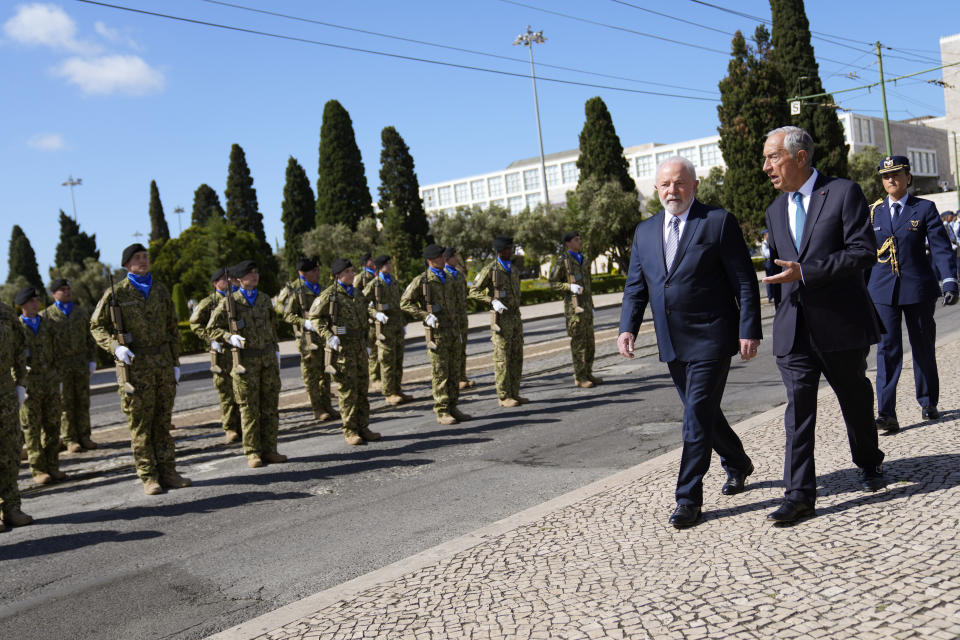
(794, 140)
(681, 160)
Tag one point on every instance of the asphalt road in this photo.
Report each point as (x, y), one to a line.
(105, 561)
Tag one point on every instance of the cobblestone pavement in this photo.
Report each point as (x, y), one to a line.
(603, 563)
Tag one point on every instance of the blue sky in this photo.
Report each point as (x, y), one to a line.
(119, 98)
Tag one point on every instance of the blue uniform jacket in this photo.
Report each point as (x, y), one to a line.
(919, 224)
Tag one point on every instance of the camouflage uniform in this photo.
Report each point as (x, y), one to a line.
(293, 303)
(364, 278)
(445, 359)
(75, 349)
(579, 325)
(460, 309)
(222, 381)
(389, 351)
(40, 413)
(351, 360)
(258, 389)
(13, 373)
(508, 342)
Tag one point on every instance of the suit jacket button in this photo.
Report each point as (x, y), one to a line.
(668, 311)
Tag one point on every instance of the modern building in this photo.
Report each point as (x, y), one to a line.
(950, 54)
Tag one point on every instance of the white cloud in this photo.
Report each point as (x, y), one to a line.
(115, 36)
(46, 142)
(46, 25)
(111, 74)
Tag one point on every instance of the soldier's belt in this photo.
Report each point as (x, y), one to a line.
(502, 293)
(149, 351)
(385, 306)
(259, 352)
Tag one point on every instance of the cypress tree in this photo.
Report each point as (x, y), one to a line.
(752, 102)
(601, 154)
(298, 207)
(342, 192)
(406, 230)
(206, 205)
(75, 246)
(158, 223)
(180, 302)
(22, 260)
(242, 208)
(794, 55)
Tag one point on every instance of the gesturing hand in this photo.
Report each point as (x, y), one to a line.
(790, 273)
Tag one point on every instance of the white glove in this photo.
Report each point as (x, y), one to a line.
(216, 346)
(93, 367)
(236, 340)
(21, 395)
(431, 321)
(278, 359)
(499, 307)
(576, 289)
(176, 374)
(334, 343)
(123, 354)
(61, 388)
(381, 317)
(308, 326)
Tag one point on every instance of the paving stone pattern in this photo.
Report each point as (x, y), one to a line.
(883, 565)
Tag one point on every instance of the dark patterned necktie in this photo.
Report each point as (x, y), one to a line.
(673, 241)
(896, 212)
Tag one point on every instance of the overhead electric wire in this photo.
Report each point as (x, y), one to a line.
(670, 17)
(388, 54)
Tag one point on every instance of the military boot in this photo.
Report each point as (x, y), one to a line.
(74, 447)
(58, 475)
(446, 418)
(87, 443)
(151, 487)
(16, 518)
(352, 438)
(173, 480)
(509, 402)
(368, 435)
(585, 384)
(406, 397)
(395, 399)
(230, 436)
(42, 478)
(23, 453)
(273, 457)
(522, 400)
(594, 379)
(460, 415)
(254, 461)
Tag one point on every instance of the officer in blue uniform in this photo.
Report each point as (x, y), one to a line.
(903, 285)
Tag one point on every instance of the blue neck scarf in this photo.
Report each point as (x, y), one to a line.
(450, 270)
(346, 287)
(370, 271)
(386, 277)
(577, 256)
(142, 283)
(65, 307)
(223, 293)
(313, 287)
(440, 274)
(33, 323)
(249, 296)
(505, 265)
(234, 287)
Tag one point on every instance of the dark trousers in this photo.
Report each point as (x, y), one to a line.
(846, 373)
(922, 331)
(700, 385)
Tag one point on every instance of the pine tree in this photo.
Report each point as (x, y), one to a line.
(342, 192)
(752, 102)
(22, 260)
(158, 223)
(242, 208)
(298, 210)
(601, 154)
(406, 230)
(206, 205)
(794, 55)
(74, 246)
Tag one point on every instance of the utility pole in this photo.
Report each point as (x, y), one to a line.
(883, 93)
(70, 182)
(179, 212)
(528, 39)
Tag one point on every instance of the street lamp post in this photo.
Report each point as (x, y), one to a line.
(528, 39)
(179, 212)
(70, 182)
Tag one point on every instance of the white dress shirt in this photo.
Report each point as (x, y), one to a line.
(806, 191)
(667, 217)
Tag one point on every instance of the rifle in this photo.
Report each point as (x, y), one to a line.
(572, 280)
(379, 307)
(116, 317)
(307, 338)
(235, 326)
(428, 303)
(328, 362)
(496, 296)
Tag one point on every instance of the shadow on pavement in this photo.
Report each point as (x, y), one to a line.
(55, 544)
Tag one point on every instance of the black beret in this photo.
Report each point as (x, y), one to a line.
(59, 283)
(449, 252)
(219, 273)
(364, 258)
(502, 242)
(379, 261)
(432, 251)
(306, 264)
(570, 235)
(27, 293)
(893, 163)
(339, 265)
(242, 268)
(136, 247)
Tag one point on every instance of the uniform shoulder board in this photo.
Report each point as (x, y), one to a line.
(874, 206)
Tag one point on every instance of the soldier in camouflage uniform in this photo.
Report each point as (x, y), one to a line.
(13, 374)
(76, 359)
(40, 413)
(221, 360)
(344, 332)
(453, 270)
(365, 276)
(504, 299)
(383, 297)
(440, 316)
(151, 354)
(256, 383)
(580, 316)
(292, 304)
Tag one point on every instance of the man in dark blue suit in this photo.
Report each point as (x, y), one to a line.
(691, 264)
(820, 236)
(903, 284)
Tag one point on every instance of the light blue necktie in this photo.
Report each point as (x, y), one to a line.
(799, 219)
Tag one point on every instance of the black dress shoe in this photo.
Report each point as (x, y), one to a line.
(735, 481)
(930, 413)
(872, 478)
(685, 515)
(791, 511)
(887, 424)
